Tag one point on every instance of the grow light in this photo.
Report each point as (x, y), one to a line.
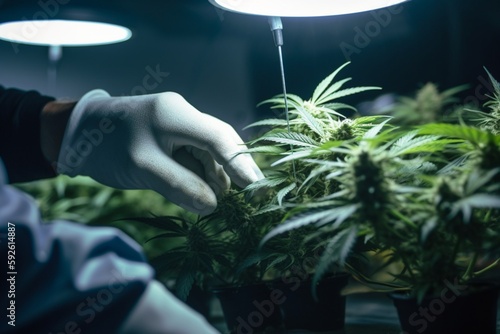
(63, 32)
(302, 8)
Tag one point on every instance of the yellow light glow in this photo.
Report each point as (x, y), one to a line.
(63, 32)
(302, 8)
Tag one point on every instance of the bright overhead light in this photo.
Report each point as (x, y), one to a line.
(302, 8)
(63, 32)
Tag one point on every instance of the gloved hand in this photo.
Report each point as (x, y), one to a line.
(158, 142)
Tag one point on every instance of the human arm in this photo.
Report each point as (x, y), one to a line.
(72, 278)
(53, 120)
(75, 277)
(156, 141)
(20, 127)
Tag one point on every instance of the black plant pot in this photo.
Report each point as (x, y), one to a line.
(458, 309)
(249, 309)
(199, 300)
(302, 311)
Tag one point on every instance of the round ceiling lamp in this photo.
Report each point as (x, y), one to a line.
(302, 8)
(63, 32)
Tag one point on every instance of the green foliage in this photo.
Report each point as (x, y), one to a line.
(195, 251)
(420, 186)
(488, 120)
(83, 200)
(223, 247)
(211, 250)
(313, 123)
(306, 177)
(429, 105)
(426, 195)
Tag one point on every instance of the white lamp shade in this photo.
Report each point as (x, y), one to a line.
(63, 32)
(302, 8)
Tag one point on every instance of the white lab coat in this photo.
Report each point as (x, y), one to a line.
(71, 278)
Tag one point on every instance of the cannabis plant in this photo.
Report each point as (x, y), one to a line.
(429, 105)
(83, 200)
(453, 216)
(194, 250)
(426, 195)
(372, 176)
(311, 123)
(488, 120)
(338, 187)
(208, 251)
(302, 149)
(223, 248)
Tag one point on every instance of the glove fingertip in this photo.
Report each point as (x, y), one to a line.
(243, 170)
(204, 203)
(200, 208)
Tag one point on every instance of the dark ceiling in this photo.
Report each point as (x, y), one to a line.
(225, 63)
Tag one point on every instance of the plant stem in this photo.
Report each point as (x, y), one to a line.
(403, 218)
(491, 266)
(408, 268)
(487, 216)
(468, 273)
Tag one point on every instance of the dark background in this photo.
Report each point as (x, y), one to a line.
(225, 63)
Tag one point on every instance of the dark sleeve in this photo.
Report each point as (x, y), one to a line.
(20, 147)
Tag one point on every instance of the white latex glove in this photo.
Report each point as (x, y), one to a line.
(159, 312)
(158, 142)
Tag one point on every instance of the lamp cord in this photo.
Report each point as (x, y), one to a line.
(277, 29)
